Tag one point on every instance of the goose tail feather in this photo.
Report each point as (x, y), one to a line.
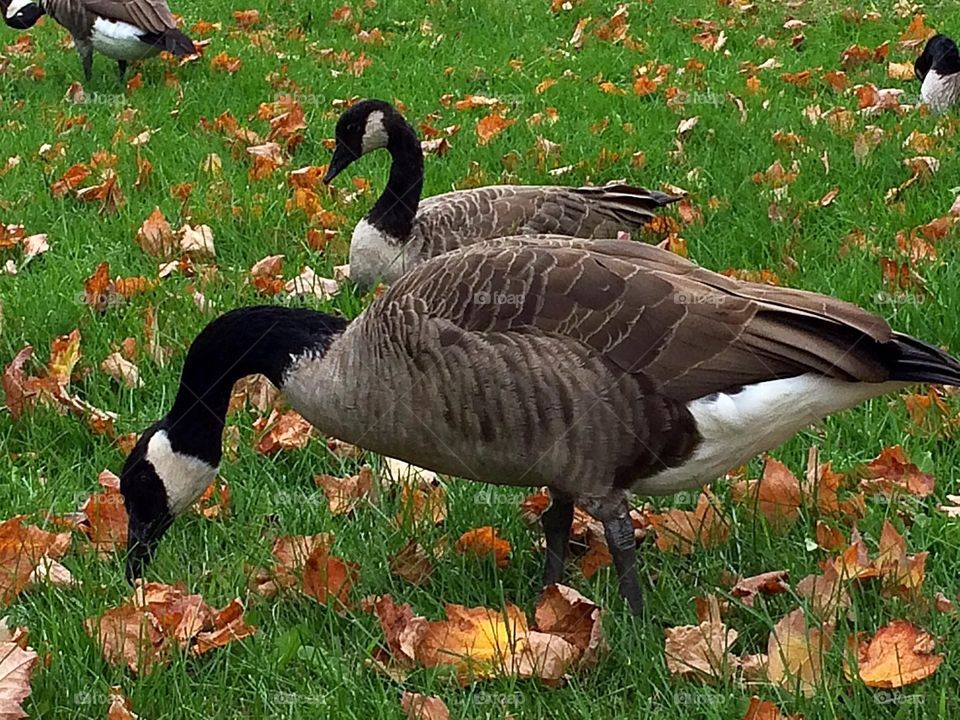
(924, 363)
(630, 204)
(176, 43)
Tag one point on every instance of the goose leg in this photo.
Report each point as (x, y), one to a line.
(122, 66)
(85, 50)
(623, 548)
(556, 521)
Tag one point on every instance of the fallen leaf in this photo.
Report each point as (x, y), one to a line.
(776, 494)
(327, 578)
(22, 549)
(489, 126)
(423, 707)
(890, 472)
(898, 654)
(155, 236)
(768, 583)
(16, 671)
(282, 431)
(700, 651)
(343, 494)
(485, 541)
(411, 563)
(120, 707)
(682, 531)
(795, 652)
(122, 370)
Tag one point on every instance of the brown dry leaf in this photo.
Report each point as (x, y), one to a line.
(128, 635)
(70, 180)
(343, 494)
(563, 611)
(898, 654)
(327, 578)
(16, 670)
(103, 517)
(485, 541)
(762, 710)
(900, 71)
(291, 553)
(107, 193)
(891, 472)
(795, 651)
(768, 583)
(257, 390)
(829, 538)
(214, 501)
(228, 625)
(155, 237)
(120, 707)
(477, 641)
(196, 242)
(421, 501)
(122, 370)
(282, 431)
(411, 563)
(682, 531)
(854, 563)
(489, 126)
(17, 388)
(423, 707)
(776, 494)
(915, 35)
(267, 157)
(826, 593)
(22, 549)
(701, 651)
(902, 574)
(225, 63)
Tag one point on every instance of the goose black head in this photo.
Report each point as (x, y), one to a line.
(21, 14)
(940, 54)
(158, 483)
(366, 126)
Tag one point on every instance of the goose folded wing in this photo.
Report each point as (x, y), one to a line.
(150, 15)
(690, 331)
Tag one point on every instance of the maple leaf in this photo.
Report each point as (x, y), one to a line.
(700, 651)
(17, 388)
(122, 370)
(489, 126)
(795, 652)
(423, 707)
(762, 710)
(563, 611)
(485, 541)
(776, 494)
(915, 35)
(246, 19)
(257, 390)
(898, 654)
(120, 707)
(16, 670)
(890, 472)
(343, 494)
(107, 193)
(282, 431)
(682, 531)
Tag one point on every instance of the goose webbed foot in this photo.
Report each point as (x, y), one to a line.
(623, 548)
(556, 520)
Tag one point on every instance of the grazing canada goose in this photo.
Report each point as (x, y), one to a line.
(124, 30)
(401, 230)
(938, 69)
(596, 368)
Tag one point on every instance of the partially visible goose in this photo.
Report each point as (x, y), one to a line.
(124, 30)
(595, 368)
(402, 230)
(938, 69)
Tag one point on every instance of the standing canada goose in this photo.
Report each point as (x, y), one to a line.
(401, 230)
(124, 30)
(594, 368)
(938, 69)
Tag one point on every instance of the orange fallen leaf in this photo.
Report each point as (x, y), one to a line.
(22, 549)
(776, 494)
(898, 654)
(120, 707)
(563, 611)
(489, 126)
(762, 710)
(827, 593)
(682, 531)
(768, 583)
(700, 651)
(71, 179)
(225, 63)
(282, 431)
(17, 387)
(327, 578)
(290, 554)
(485, 541)
(227, 625)
(891, 472)
(795, 652)
(423, 707)
(103, 517)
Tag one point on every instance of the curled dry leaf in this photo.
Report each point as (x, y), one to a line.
(891, 472)
(826, 593)
(119, 368)
(257, 390)
(898, 654)
(795, 652)
(768, 583)
(103, 517)
(682, 531)
(776, 494)
(16, 670)
(700, 651)
(22, 549)
(485, 541)
(411, 563)
(282, 431)
(308, 283)
(343, 494)
(155, 236)
(563, 611)
(290, 553)
(120, 707)
(423, 707)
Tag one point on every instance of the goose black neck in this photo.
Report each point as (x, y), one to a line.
(247, 341)
(396, 208)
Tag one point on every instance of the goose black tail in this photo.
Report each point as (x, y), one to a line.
(630, 205)
(176, 43)
(924, 363)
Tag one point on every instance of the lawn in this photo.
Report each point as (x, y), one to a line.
(306, 660)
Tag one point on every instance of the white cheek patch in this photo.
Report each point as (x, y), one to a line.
(16, 6)
(184, 477)
(374, 134)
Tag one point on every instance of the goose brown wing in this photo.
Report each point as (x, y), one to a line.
(690, 331)
(151, 15)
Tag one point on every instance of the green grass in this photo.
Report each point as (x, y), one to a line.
(306, 661)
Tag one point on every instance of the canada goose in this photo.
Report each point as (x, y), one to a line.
(938, 69)
(596, 368)
(401, 230)
(124, 30)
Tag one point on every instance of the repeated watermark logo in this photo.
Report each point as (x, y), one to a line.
(295, 698)
(706, 97)
(486, 698)
(484, 297)
(102, 300)
(695, 298)
(887, 298)
(493, 496)
(892, 697)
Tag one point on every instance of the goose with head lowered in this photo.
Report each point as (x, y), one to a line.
(124, 30)
(402, 230)
(938, 70)
(596, 368)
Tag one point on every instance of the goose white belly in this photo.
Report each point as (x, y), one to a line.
(374, 255)
(736, 428)
(120, 40)
(940, 92)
